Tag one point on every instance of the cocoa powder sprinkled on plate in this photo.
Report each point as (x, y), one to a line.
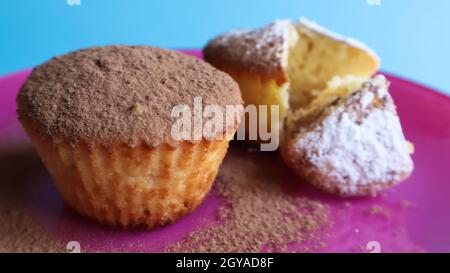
(18, 231)
(258, 215)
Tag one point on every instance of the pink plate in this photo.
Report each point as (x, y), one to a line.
(415, 214)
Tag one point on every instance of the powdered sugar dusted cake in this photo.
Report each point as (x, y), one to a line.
(354, 146)
(339, 128)
(263, 50)
(286, 63)
(266, 50)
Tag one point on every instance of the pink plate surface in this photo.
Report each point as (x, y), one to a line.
(415, 218)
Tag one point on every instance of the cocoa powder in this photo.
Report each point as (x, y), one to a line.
(18, 231)
(119, 94)
(258, 215)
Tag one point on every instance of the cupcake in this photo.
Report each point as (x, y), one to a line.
(102, 122)
(287, 63)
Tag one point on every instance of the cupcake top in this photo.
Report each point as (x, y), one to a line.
(265, 50)
(119, 94)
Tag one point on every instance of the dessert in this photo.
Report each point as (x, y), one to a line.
(287, 63)
(100, 119)
(338, 127)
(349, 141)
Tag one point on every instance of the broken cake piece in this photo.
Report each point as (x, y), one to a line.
(287, 63)
(349, 141)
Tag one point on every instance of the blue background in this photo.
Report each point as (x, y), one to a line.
(411, 36)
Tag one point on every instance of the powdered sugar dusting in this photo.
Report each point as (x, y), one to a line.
(358, 146)
(313, 26)
(263, 50)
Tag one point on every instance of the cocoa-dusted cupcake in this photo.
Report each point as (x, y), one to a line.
(101, 119)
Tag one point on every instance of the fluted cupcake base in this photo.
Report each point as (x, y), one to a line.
(132, 186)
